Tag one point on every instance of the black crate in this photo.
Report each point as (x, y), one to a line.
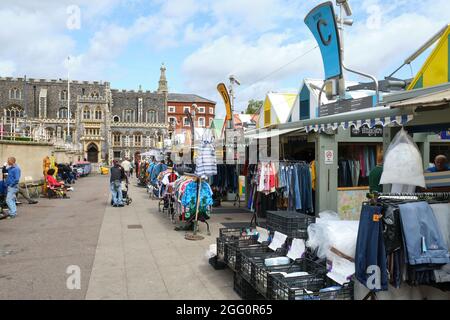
(261, 273)
(247, 268)
(233, 250)
(290, 223)
(244, 289)
(308, 288)
(227, 235)
(216, 264)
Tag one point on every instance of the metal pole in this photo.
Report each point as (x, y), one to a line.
(68, 100)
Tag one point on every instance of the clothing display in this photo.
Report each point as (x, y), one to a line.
(226, 179)
(355, 165)
(185, 192)
(206, 164)
(414, 247)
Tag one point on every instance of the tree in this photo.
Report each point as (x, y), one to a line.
(253, 106)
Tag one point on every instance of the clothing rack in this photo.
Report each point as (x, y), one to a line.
(441, 196)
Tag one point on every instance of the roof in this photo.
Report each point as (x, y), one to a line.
(181, 97)
(282, 103)
(429, 100)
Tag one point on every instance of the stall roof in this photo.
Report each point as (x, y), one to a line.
(429, 100)
(269, 133)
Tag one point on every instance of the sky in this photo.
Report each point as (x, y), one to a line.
(264, 43)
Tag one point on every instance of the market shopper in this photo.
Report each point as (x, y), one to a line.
(117, 176)
(375, 176)
(12, 182)
(126, 165)
(440, 164)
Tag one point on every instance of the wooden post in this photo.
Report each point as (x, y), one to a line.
(199, 186)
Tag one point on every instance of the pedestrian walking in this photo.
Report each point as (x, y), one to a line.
(117, 176)
(12, 183)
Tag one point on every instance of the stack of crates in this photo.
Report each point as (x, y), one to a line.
(313, 287)
(290, 223)
(244, 289)
(262, 273)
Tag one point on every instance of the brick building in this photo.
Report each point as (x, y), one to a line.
(178, 103)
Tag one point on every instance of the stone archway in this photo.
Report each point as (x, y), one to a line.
(92, 153)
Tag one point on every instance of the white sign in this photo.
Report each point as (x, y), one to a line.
(329, 156)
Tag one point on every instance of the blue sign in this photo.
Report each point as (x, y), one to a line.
(445, 135)
(322, 23)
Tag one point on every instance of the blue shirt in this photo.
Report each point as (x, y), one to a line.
(13, 176)
(434, 169)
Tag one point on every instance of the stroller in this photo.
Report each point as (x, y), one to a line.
(125, 194)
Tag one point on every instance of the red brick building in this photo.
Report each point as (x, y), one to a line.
(177, 103)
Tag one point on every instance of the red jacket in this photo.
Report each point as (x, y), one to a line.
(52, 182)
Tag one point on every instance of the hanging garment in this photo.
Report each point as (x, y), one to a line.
(370, 250)
(206, 164)
(423, 240)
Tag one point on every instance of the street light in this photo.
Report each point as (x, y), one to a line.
(346, 6)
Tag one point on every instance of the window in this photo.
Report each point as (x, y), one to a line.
(15, 93)
(117, 139)
(63, 95)
(13, 112)
(201, 122)
(98, 113)
(152, 117)
(117, 154)
(83, 91)
(129, 115)
(137, 140)
(211, 110)
(210, 121)
(171, 109)
(116, 119)
(173, 120)
(186, 122)
(201, 109)
(94, 94)
(86, 113)
(186, 108)
(62, 113)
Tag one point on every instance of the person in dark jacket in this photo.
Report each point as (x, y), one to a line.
(117, 176)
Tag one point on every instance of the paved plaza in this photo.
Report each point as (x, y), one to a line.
(123, 253)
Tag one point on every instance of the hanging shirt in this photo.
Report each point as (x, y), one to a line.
(206, 164)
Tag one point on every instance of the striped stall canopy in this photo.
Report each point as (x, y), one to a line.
(400, 120)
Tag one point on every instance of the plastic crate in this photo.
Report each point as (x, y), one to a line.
(244, 289)
(227, 235)
(290, 223)
(261, 272)
(231, 249)
(216, 264)
(247, 269)
(308, 288)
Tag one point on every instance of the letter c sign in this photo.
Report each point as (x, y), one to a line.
(320, 23)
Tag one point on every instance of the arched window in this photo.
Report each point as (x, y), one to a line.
(63, 95)
(62, 113)
(15, 93)
(86, 113)
(117, 139)
(13, 112)
(152, 116)
(137, 137)
(98, 113)
(94, 94)
(129, 115)
(116, 119)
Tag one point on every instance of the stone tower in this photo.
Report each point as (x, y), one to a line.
(162, 88)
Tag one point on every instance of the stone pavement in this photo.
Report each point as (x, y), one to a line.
(154, 261)
(116, 261)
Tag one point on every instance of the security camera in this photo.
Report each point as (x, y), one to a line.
(346, 5)
(233, 79)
